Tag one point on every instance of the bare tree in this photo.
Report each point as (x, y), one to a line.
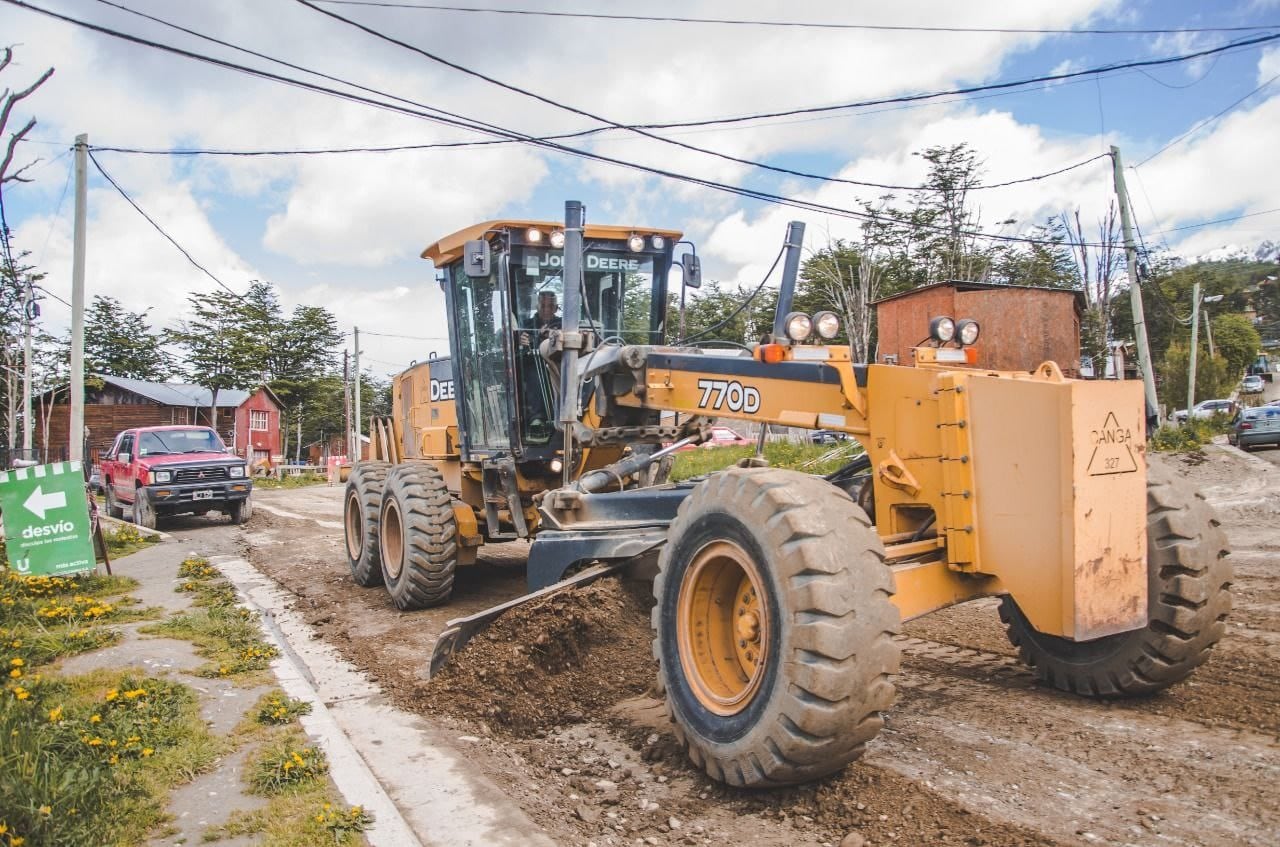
(1097, 274)
(8, 100)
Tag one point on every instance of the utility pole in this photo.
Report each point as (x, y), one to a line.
(1208, 329)
(76, 429)
(29, 313)
(1195, 342)
(355, 456)
(346, 400)
(1135, 285)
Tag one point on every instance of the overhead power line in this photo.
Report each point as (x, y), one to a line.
(432, 7)
(1206, 122)
(1221, 221)
(492, 130)
(555, 103)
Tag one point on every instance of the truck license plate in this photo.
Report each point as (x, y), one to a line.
(202, 495)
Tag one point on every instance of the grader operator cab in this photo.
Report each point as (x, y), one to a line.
(778, 594)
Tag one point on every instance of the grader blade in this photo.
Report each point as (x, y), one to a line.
(459, 631)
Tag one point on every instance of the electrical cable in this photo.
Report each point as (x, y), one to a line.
(741, 306)
(763, 196)
(57, 212)
(550, 101)
(1222, 220)
(1204, 123)
(390, 4)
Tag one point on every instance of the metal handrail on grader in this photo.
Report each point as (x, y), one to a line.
(778, 593)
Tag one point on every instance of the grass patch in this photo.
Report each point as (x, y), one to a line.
(277, 709)
(89, 760)
(125, 538)
(295, 481)
(801, 456)
(224, 632)
(1189, 437)
(43, 618)
(300, 812)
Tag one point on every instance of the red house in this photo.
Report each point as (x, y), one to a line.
(257, 427)
(247, 420)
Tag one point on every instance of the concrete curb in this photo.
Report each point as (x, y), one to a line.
(419, 788)
(107, 519)
(1240, 454)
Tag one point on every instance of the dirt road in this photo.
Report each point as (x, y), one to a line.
(972, 753)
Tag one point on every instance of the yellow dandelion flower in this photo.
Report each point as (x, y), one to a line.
(95, 719)
(95, 742)
(147, 751)
(113, 743)
(16, 841)
(46, 810)
(21, 693)
(55, 715)
(15, 674)
(112, 694)
(17, 663)
(115, 759)
(4, 827)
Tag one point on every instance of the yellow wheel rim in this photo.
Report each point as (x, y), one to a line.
(355, 526)
(722, 627)
(392, 539)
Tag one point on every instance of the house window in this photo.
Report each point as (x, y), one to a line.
(258, 420)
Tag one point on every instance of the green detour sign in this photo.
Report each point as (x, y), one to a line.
(46, 520)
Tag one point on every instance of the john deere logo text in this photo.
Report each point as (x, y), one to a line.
(441, 389)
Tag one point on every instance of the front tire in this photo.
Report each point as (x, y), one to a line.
(240, 511)
(418, 537)
(773, 628)
(1188, 599)
(362, 505)
(144, 513)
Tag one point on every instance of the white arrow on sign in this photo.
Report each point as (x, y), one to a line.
(39, 502)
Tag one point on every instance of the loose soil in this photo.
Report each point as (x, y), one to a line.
(554, 703)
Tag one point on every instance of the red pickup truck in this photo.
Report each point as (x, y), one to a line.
(172, 470)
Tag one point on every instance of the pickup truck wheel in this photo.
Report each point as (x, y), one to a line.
(114, 509)
(240, 511)
(1188, 599)
(419, 537)
(144, 514)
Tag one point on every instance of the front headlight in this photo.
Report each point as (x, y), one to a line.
(967, 331)
(658, 242)
(942, 329)
(533, 235)
(636, 243)
(798, 325)
(556, 466)
(557, 239)
(827, 324)
(161, 476)
(237, 471)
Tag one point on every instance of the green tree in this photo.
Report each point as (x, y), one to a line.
(222, 349)
(119, 342)
(1212, 379)
(1235, 340)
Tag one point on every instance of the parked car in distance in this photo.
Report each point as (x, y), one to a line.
(173, 470)
(1206, 409)
(722, 436)
(1255, 427)
(1251, 384)
(826, 436)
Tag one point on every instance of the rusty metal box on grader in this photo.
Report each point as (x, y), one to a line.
(778, 594)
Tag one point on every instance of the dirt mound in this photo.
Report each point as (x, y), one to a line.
(559, 660)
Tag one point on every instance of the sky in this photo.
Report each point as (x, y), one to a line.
(344, 231)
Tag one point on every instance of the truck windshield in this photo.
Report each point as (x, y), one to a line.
(173, 441)
(618, 296)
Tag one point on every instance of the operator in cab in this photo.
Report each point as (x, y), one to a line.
(537, 391)
(544, 319)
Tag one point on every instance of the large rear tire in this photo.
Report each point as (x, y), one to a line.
(773, 627)
(361, 508)
(418, 537)
(1188, 601)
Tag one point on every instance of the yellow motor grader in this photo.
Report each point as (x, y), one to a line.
(778, 593)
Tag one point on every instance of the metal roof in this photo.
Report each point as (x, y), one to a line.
(177, 393)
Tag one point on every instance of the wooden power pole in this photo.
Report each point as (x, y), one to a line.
(76, 429)
(1135, 286)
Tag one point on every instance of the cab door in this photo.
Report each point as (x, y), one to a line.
(481, 343)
